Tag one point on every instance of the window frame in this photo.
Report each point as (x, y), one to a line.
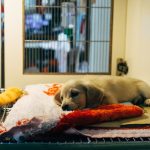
(72, 73)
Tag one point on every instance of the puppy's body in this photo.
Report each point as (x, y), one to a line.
(91, 92)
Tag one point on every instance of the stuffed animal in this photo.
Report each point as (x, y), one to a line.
(10, 95)
(101, 114)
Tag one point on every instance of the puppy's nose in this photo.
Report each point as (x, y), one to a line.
(66, 108)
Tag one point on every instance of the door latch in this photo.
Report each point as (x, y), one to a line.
(122, 67)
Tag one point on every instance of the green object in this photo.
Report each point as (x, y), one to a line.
(68, 32)
(77, 146)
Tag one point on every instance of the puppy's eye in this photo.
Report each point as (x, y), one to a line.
(61, 97)
(74, 93)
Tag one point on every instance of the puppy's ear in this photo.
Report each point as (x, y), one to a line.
(94, 96)
(57, 98)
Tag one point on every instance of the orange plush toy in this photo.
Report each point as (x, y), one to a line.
(101, 114)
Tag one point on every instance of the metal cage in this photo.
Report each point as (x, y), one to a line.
(67, 36)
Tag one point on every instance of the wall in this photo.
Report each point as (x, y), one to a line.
(138, 39)
(119, 32)
(14, 45)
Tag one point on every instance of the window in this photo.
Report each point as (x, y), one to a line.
(67, 36)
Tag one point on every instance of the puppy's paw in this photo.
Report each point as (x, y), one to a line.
(147, 102)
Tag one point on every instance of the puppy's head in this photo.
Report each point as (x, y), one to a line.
(77, 94)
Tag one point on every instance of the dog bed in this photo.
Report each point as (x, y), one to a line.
(37, 113)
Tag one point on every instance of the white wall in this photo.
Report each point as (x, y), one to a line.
(14, 45)
(119, 32)
(138, 39)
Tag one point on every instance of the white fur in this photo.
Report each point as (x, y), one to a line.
(35, 104)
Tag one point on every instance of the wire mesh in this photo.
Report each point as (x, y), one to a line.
(4, 110)
(67, 36)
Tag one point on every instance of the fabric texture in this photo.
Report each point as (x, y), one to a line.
(37, 112)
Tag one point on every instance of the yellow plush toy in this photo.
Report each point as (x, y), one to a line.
(10, 95)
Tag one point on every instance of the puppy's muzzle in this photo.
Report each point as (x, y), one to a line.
(66, 107)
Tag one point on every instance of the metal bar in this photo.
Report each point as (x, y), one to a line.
(88, 7)
(88, 14)
(2, 48)
(88, 41)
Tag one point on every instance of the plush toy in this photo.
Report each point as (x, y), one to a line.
(10, 95)
(101, 114)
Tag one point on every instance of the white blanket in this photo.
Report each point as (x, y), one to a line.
(35, 104)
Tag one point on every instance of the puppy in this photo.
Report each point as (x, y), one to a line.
(91, 92)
